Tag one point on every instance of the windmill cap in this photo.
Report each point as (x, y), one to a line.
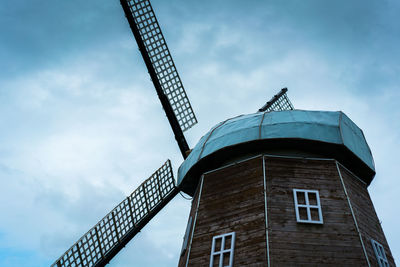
(330, 134)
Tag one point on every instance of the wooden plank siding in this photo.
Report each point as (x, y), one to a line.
(186, 250)
(231, 199)
(333, 243)
(367, 219)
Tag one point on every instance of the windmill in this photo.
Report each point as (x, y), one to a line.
(238, 152)
(101, 243)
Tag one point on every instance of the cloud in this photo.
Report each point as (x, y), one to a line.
(71, 155)
(82, 126)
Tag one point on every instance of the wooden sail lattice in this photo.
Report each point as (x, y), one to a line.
(278, 102)
(115, 230)
(161, 59)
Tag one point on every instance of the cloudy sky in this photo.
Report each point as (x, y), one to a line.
(81, 125)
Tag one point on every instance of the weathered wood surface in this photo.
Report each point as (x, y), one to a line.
(334, 243)
(185, 250)
(367, 219)
(232, 200)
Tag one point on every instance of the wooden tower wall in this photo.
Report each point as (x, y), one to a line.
(366, 217)
(254, 199)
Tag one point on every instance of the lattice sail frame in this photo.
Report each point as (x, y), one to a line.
(162, 62)
(125, 217)
(278, 102)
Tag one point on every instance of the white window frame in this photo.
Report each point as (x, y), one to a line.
(380, 254)
(308, 206)
(223, 251)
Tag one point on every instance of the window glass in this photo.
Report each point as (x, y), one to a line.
(307, 206)
(380, 254)
(222, 250)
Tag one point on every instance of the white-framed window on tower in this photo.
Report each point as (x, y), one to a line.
(222, 250)
(380, 254)
(307, 206)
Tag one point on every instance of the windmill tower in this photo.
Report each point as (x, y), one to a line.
(278, 187)
(282, 188)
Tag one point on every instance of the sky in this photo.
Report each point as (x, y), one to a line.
(81, 125)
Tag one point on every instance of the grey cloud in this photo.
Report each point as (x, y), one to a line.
(71, 69)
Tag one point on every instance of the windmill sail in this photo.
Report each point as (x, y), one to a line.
(161, 67)
(101, 243)
(278, 102)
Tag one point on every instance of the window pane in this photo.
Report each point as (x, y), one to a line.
(216, 260)
(303, 213)
(225, 260)
(228, 240)
(314, 214)
(312, 198)
(218, 242)
(301, 198)
(222, 250)
(307, 206)
(382, 251)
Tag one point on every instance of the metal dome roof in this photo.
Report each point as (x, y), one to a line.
(322, 126)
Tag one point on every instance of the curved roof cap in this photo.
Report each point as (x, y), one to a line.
(324, 126)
